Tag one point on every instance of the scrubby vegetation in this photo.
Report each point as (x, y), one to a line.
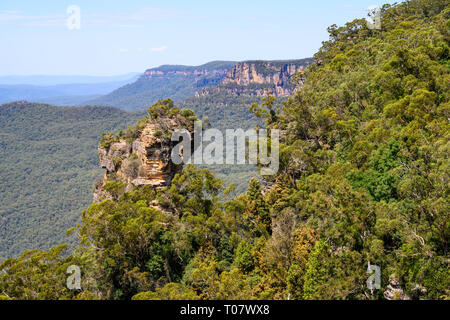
(48, 165)
(364, 176)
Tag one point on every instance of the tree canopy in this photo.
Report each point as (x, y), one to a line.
(363, 179)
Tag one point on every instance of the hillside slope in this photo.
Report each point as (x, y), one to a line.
(176, 82)
(233, 79)
(219, 91)
(363, 186)
(59, 90)
(226, 105)
(48, 166)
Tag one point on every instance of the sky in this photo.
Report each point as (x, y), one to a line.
(118, 37)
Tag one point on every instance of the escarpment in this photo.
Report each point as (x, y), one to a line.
(263, 72)
(141, 155)
(257, 78)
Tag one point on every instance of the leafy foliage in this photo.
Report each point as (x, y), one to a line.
(363, 179)
(48, 164)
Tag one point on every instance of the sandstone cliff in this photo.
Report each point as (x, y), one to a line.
(257, 78)
(214, 68)
(142, 156)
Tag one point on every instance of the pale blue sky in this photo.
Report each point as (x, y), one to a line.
(118, 37)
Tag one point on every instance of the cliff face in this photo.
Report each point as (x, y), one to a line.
(195, 72)
(256, 78)
(146, 160)
(175, 81)
(262, 72)
(248, 77)
(215, 68)
(230, 78)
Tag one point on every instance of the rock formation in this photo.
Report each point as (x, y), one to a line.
(394, 291)
(146, 159)
(257, 78)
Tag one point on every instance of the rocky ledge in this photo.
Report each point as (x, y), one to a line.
(141, 155)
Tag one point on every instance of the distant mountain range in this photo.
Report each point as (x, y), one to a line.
(59, 90)
(175, 81)
(248, 78)
(49, 80)
(137, 91)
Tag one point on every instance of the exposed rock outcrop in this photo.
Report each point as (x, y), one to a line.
(260, 72)
(214, 68)
(394, 291)
(145, 160)
(257, 78)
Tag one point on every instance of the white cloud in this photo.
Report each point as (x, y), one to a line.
(10, 15)
(18, 18)
(130, 20)
(141, 50)
(150, 14)
(126, 20)
(159, 49)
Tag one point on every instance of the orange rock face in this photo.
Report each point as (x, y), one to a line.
(144, 161)
(277, 74)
